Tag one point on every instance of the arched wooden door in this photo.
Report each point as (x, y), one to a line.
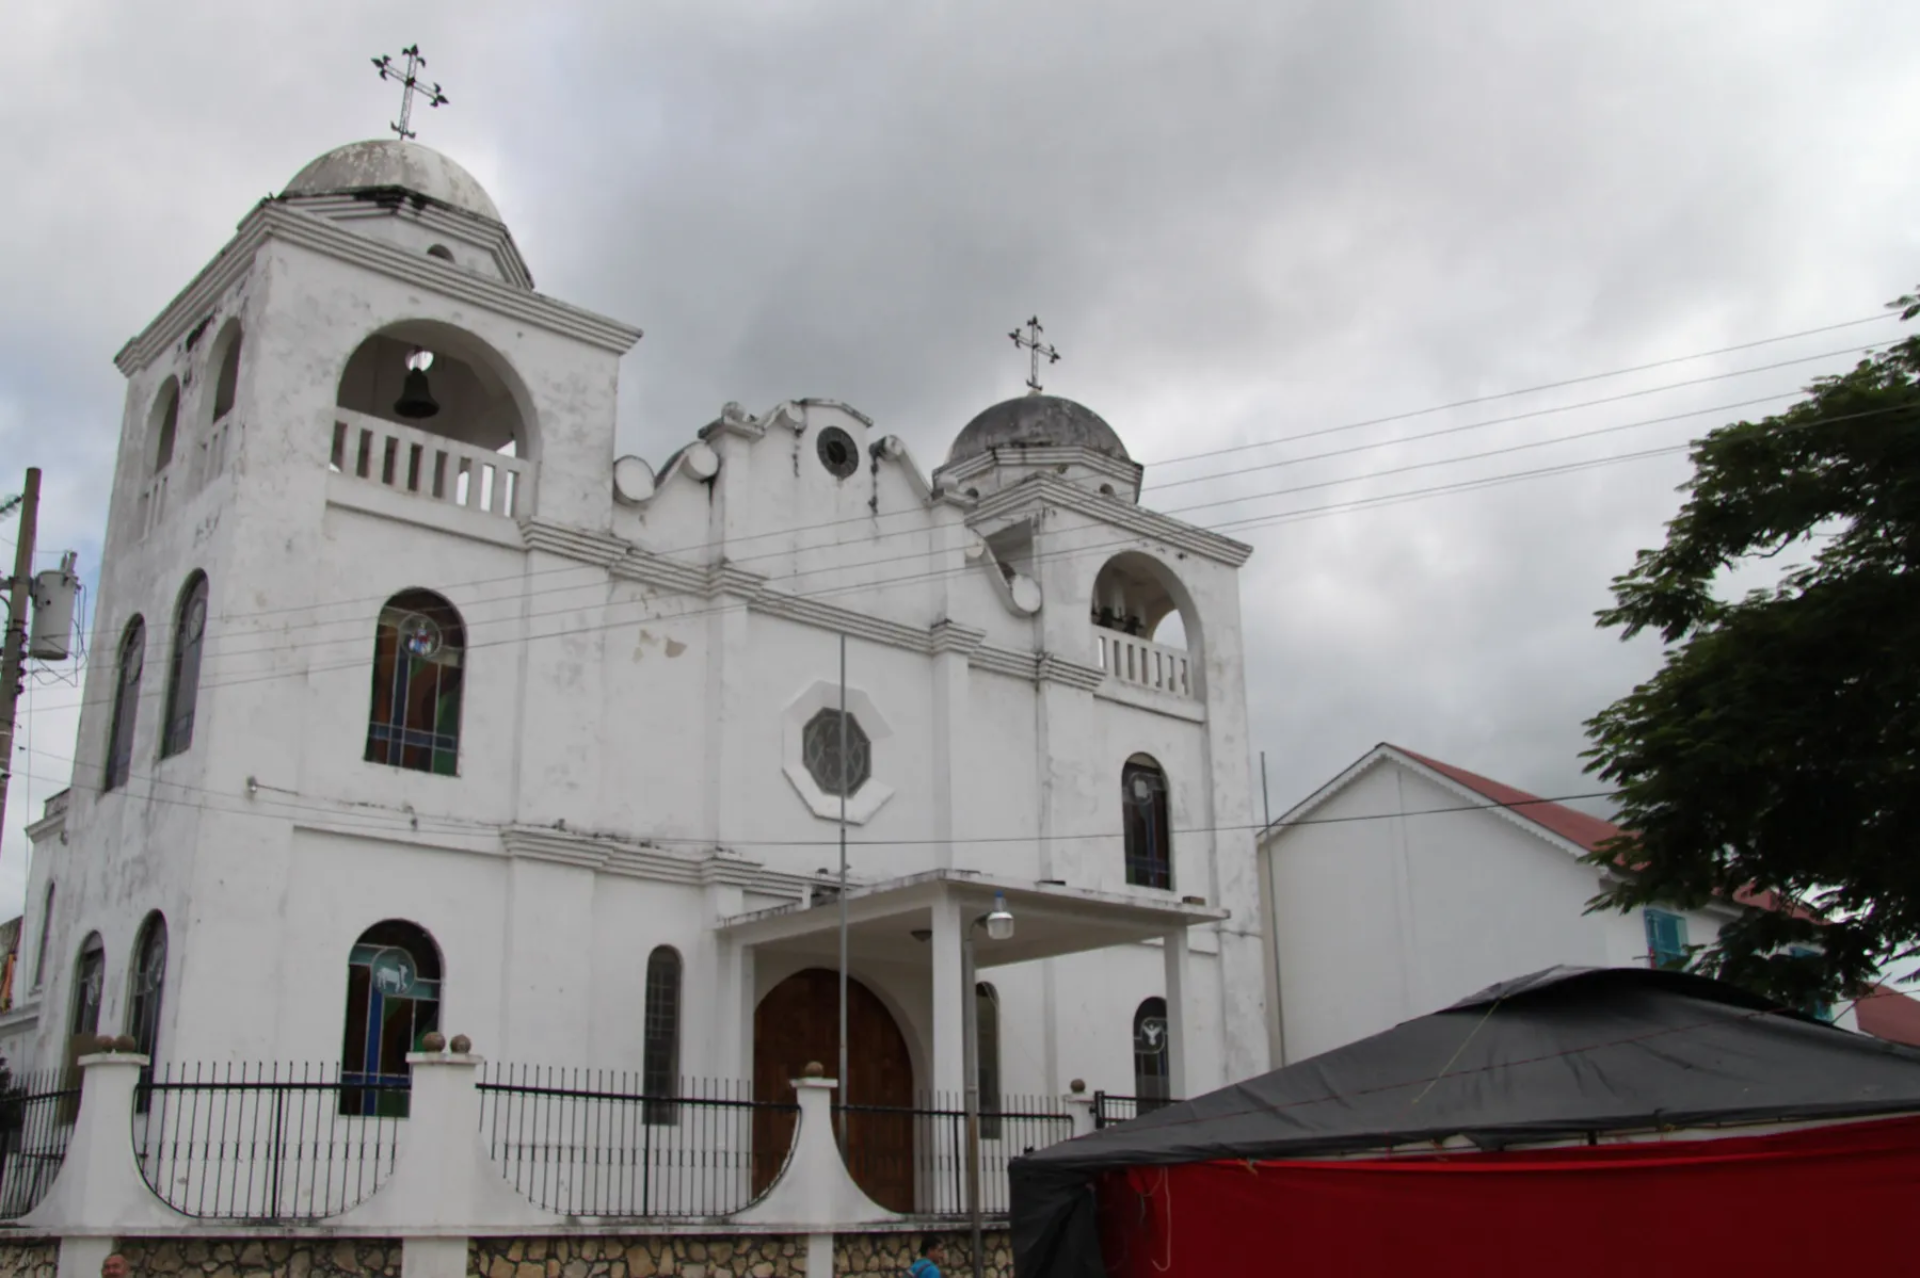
(799, 1021)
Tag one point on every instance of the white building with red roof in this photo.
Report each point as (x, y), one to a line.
(1405, 884)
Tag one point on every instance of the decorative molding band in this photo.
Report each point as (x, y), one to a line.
(271, 219)
(603, 549)
(628, 562)
(637, 859)
(459, 223)
(951, 636)
(196, 300)
(1038, 490)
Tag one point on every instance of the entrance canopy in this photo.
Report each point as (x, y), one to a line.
(893, 921)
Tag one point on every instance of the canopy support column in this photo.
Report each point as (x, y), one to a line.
(1174, 952)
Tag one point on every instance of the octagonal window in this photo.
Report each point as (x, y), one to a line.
(820, 751)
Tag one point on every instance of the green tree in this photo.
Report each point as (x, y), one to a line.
(1777, 751)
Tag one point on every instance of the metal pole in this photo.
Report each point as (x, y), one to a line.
(970, 1049)
(1266, 804)
(16, 644)
(845, 1098)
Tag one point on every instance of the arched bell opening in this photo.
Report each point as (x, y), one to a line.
(413, 384)
(1146, 628)
(439, 379)
(1135, 595)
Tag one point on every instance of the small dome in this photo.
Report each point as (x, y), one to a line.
(388, 163)
(1036, 421)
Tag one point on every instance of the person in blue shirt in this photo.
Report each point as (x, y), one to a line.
(932, 1256)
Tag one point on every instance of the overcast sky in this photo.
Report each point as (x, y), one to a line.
(1239, 222)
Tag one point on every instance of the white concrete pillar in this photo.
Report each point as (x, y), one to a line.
(949, 1011)
(1079, 1103)
(747, 998)
(1174, 953)
(949, 740)
(444, 1180)
(814, 1189)
(99, 1187)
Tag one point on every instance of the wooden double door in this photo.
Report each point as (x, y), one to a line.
(799, 1022)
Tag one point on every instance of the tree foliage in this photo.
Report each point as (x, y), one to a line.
(1778, 748)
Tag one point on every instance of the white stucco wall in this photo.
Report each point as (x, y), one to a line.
(1381, 916)
(611, 705)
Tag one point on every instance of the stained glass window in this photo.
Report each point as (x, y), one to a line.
(660, 1062)
(419, 655)
(1146, 821)
(820, 751)
(183, 673)
(393, 1001)
(1150, 1060)
(126, 704)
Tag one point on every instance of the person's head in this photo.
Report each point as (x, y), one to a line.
(929, 1247)
(114, 1266)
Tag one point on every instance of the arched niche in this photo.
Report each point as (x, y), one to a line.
(224, 359)
(1136, 594)
(483, 402)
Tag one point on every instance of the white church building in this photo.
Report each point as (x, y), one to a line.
(411, 707)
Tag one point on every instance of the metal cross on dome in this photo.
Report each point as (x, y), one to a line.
(1036, 348)
(411, 83)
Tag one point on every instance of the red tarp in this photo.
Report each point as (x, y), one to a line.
(1837, 1199)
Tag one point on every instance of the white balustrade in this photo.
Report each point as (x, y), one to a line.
(1143, 663)
(409, 460)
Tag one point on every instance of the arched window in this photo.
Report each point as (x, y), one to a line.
(149, 980)
(183, 672)
(1150, 1068)
(164, 424)
(228, 384)
(89, 979)
(126, 704)
(986, 1025)
(40, 946)
(393, 1001)
(660, 1061)
(418, 654)
(1147, 823)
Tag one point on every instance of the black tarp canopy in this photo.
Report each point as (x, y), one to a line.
(1555, 1055)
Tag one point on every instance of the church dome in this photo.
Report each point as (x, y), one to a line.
(1036, 421)
(386, 163)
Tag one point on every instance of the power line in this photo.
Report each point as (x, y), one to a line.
(1244, 523)
(226, 649)
(396, 817)
(1413, 413)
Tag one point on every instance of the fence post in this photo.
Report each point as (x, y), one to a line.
(1079, 1107)
(814, 1188)
(98, 1191)
(444, 1181)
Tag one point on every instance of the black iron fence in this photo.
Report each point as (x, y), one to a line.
(36, 1120)
(265, 1142)
(1109, 1109)
(585, 1142)
(915, 1160)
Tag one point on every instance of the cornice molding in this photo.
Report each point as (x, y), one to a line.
(629, 562)
(306, 230)
(492, 236)
(1051, 490)
(638, 859)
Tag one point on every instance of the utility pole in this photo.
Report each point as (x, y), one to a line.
(16, 645)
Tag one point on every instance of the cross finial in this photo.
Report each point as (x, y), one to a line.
(1035, 348)
(412, 83)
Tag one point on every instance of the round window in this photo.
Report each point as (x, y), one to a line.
(838, 453)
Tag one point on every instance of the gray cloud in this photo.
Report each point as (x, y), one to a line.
(1238, 221)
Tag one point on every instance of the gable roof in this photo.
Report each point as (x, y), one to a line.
(1573, 826)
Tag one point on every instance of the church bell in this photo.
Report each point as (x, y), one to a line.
(416, 397)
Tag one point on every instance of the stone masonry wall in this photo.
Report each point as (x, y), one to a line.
(262, 1257)
(739, 1256)
(891, 1253)
(35, 1259)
